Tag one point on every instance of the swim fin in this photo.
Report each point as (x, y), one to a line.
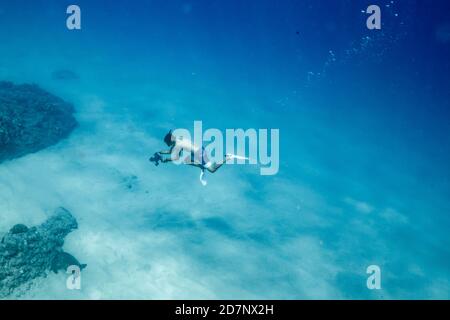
(202, 181)
(235, 156)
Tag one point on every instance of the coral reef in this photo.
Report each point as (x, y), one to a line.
(31, 119)
(29, 253)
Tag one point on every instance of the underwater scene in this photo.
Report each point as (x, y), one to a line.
(212, 149)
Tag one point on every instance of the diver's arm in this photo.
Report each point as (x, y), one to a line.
(166, 151)
(175, 155)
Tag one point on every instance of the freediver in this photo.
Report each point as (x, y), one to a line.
(198, 157)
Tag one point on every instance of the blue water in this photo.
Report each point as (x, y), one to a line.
(364, 146)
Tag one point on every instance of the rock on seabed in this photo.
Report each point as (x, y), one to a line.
(31, 119)
(30, 253)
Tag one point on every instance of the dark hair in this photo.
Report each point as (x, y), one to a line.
(168, 138)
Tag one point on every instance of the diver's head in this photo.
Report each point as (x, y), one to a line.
(169, 139)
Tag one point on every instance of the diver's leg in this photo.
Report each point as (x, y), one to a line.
(190, 161)
(216, 165)
(194, 165)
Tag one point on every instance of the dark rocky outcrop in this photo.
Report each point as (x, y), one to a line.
(64, 260)
(29, 253)
(31, 119)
